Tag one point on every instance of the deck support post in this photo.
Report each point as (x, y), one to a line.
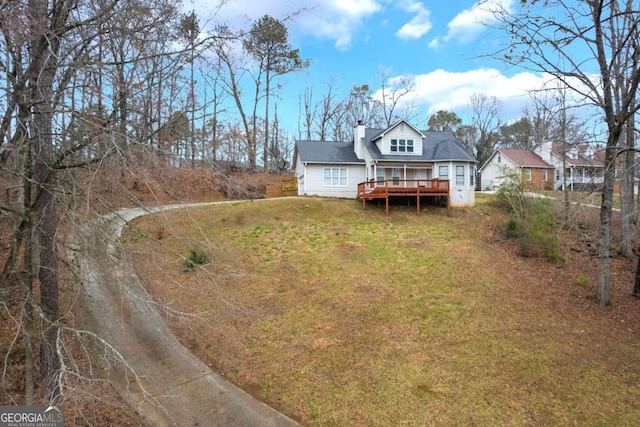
(384, 190)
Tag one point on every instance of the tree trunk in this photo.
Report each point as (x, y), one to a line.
(626, 196)
(565, 148)
(43, 54)
(636, 285)
(626, 190)
(265, 145)
(604, 262)
(192, 96)
(29, 360)
(46, 224)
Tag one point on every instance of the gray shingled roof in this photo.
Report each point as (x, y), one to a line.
(326, 152)
(436, 146)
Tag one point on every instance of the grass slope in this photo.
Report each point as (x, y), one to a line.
(336, 315)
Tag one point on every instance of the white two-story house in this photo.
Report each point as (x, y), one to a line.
(398, 156)
(580, 166)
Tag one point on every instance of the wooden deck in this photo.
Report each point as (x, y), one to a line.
(372, 190)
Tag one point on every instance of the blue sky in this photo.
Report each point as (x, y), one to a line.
(438, 43)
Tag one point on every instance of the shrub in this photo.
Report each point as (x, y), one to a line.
(511, 194)
(535, 232)
(514, 229)
(528, 247)
(195, 257)
(542, 229)
(581, 280)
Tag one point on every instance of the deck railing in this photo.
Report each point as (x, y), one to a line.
(371, 190)
(390, 187)
(593, 181)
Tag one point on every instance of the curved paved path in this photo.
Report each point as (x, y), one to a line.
(157, 375)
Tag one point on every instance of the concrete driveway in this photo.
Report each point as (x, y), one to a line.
(150, 369)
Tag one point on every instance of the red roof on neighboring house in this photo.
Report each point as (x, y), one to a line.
(525, 158)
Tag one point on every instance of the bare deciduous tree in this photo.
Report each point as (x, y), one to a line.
(485, 118)
(392, 93)
(72, 83)
(592, 47)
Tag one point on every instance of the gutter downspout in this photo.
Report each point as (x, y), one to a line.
(304, 183)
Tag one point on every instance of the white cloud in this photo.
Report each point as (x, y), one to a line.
(435, 43)
(419, 25)
(336, 20)
(466, 26)
(355, 7)
(451, 91)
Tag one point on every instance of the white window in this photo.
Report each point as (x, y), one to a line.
(472, 173)
(402, 145)
(544, 175)
(527, 172)
(443, 172)
(335, 177)
(395, 174)
(409, 145)
(459, 175)
(573, 153)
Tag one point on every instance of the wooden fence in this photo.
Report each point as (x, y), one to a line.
(282, 189)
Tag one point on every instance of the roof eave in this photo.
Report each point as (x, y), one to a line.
(325, 162)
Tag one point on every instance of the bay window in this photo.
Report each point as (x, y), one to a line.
(459, 175)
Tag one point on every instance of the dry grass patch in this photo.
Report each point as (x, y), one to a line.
(336, 315)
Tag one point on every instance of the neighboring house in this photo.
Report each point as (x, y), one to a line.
(535, 173)
(581, 164)
(400, 156)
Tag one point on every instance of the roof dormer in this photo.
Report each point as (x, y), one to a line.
(573, 153)
(400, 139)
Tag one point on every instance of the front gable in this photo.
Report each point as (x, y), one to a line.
(498, 161)
(400, 139)
(492, 173)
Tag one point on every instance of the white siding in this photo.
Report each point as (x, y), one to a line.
(299, 171)
(314, 181)
(462, 195)
(493, 172)
(461, 198)
(384, 144)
